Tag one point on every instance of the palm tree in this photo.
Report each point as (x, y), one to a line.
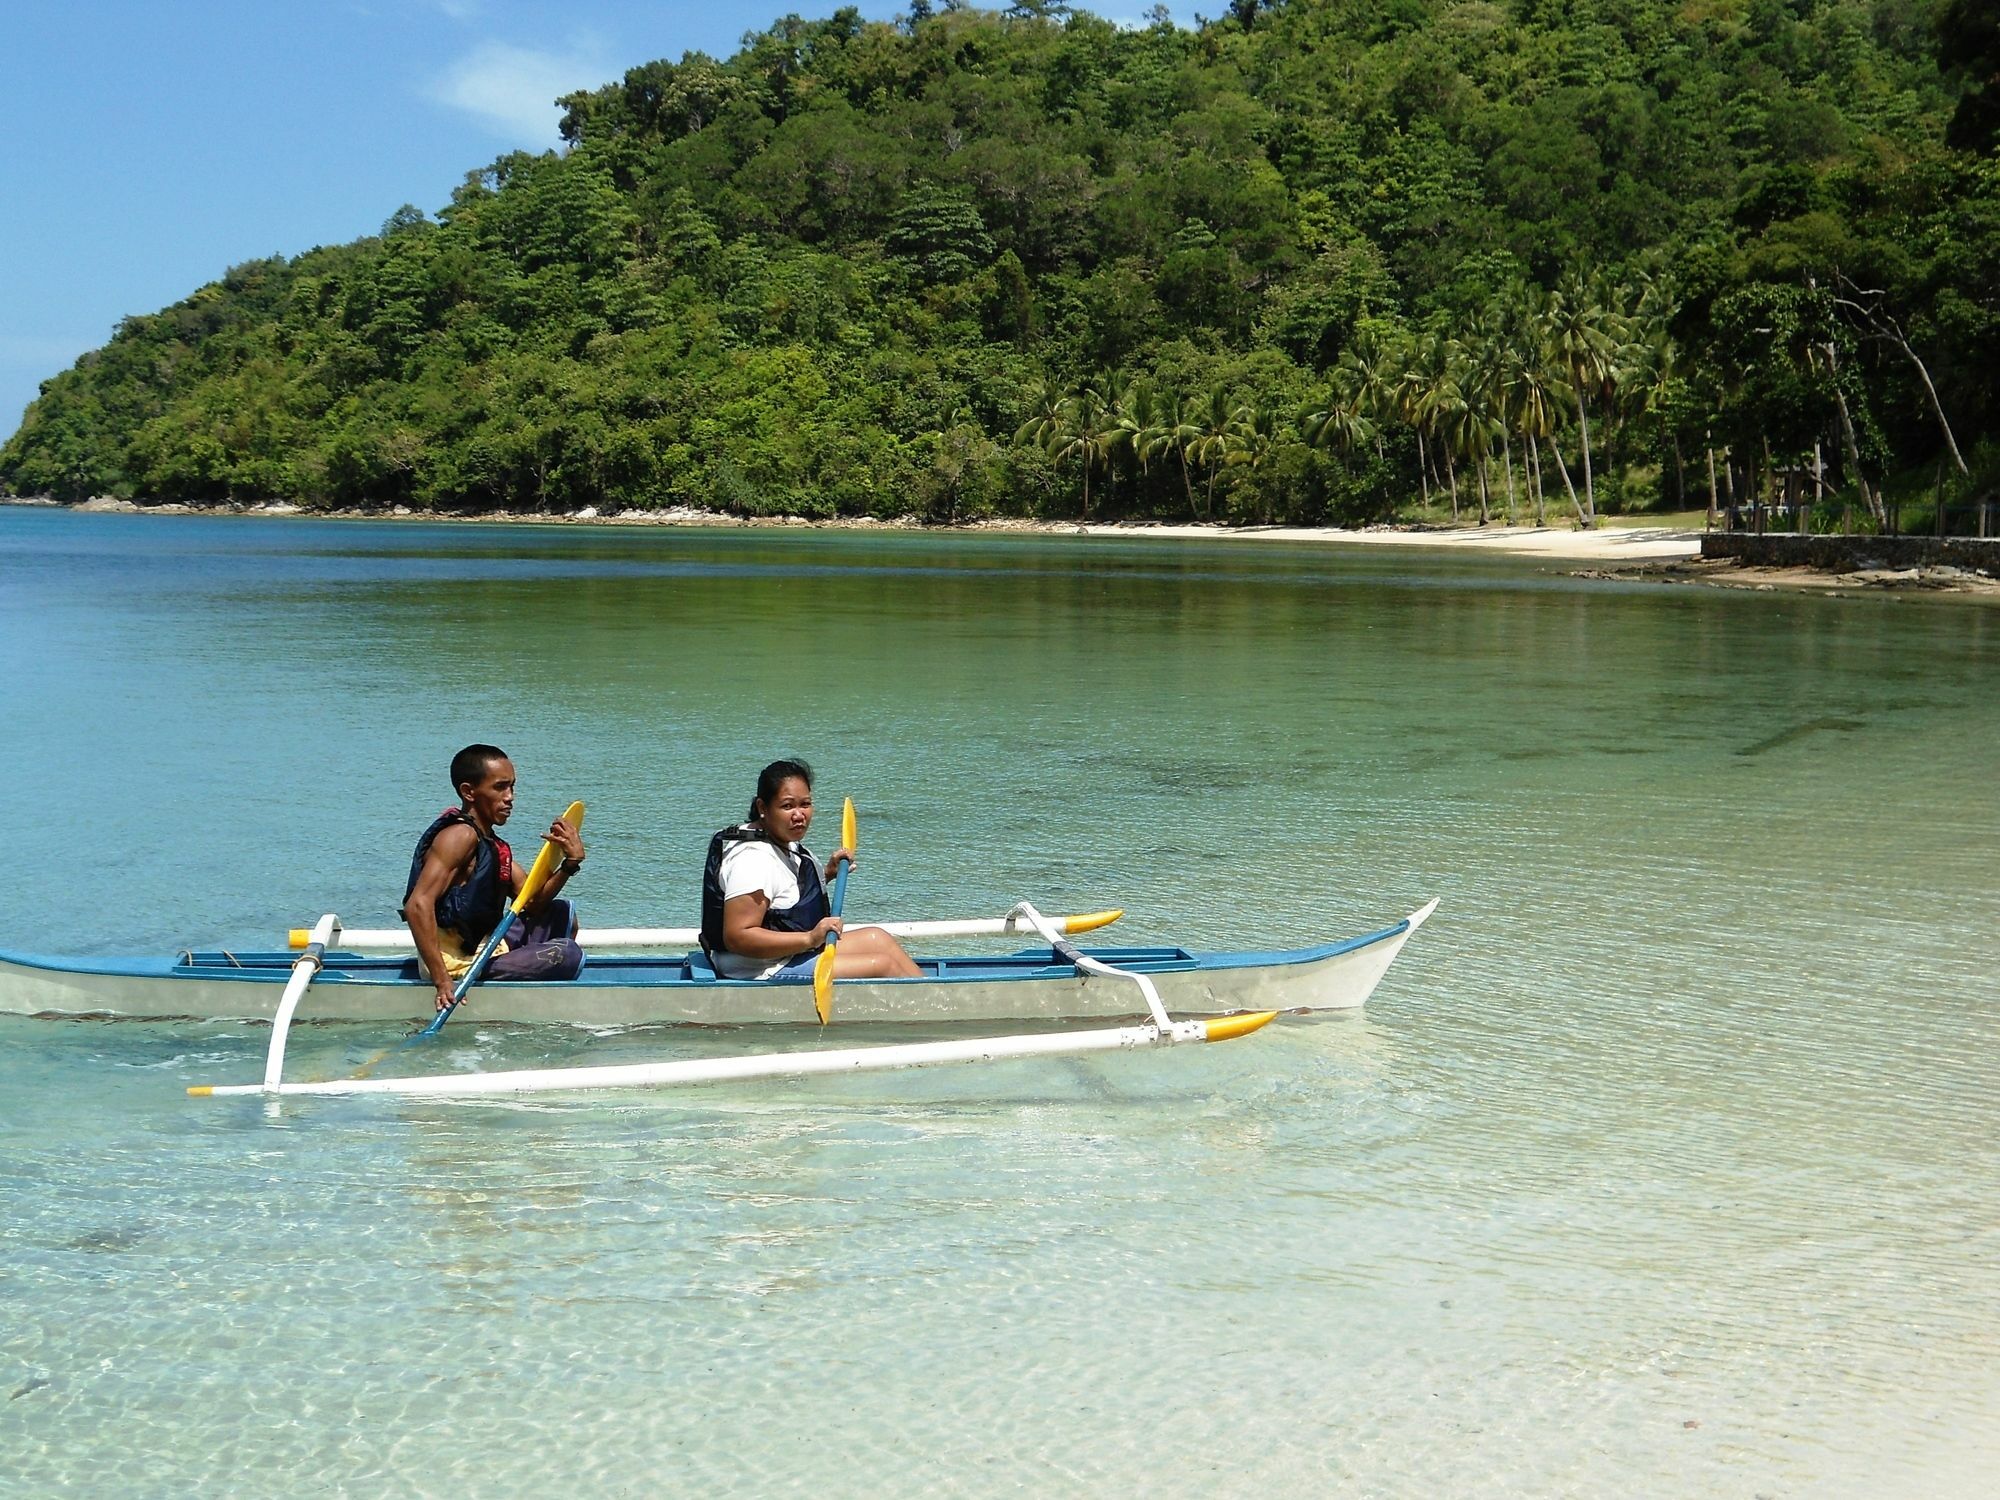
(1583, 335)
(1131, 416)
(1217, 440)
(1483, 359)
(1536, 395)
(1257, 427)
(1336, 424)
(1438, 404)
(1364, 381)
(1419, 370)
(1045, 415)
(1173, 431)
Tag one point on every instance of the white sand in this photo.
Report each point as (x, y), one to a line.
(1610, 543)
(1607, 544)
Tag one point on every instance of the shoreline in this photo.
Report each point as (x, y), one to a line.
(1616, 551)
(1609, 543)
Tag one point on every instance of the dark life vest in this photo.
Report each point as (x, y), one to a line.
(812, 908)
(471, 907)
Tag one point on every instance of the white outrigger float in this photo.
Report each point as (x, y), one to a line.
(1223, 995)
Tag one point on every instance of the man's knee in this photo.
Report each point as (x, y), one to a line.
(560, 958)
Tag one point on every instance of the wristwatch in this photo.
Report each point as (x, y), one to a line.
(570, 866)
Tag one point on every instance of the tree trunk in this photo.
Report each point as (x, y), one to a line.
(1884, 327)
(1711, 490)
(1870, 497)
(1424, 468)
(1451, 470)
(1563, 469)
(1507, 448)
(1535, 480)
(1187, 481)
(1589, 513)
(1484, 516)
(1937, 406)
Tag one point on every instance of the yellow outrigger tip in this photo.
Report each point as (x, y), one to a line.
(200, 1090)
(1227, 1028)
(1089, 922)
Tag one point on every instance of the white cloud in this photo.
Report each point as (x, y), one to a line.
(512, 90)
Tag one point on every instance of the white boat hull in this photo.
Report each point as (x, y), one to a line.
(1334, 977)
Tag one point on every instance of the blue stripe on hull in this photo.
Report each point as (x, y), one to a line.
(688, 971)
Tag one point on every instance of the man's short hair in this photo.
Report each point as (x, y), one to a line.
(470, 764)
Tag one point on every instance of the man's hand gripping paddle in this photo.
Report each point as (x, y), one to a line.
(823, 966)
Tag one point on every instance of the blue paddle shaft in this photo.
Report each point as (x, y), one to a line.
(471, 975)
(840, 889)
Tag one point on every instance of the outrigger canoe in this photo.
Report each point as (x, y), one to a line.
(622, 989)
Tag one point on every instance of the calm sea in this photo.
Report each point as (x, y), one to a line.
(1664, 1162)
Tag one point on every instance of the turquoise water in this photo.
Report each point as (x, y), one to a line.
(1663, 1162)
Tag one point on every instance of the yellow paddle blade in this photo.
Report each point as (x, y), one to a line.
(823, 965)
(823, 984)
(1091, 921)
(546, 860)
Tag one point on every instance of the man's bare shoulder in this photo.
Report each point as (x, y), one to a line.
(454, 843)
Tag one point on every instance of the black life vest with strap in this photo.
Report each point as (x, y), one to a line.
(812, 908)
(470, 907)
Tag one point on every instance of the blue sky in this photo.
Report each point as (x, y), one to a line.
(152, 144)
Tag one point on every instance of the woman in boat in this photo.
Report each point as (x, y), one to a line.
(764, 908)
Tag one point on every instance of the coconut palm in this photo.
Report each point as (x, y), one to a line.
(1364, 381)
(1536, 397)
(1173, 432)
(1130, 417)
(1420, 369)
(1334, 423)
(1583, 336)
(1258, 426)
(1218, 439)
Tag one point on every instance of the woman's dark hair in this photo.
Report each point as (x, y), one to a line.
(775, 775)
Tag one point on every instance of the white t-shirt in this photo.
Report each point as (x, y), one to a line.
(755, 865)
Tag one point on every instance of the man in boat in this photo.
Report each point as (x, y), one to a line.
(463, 876)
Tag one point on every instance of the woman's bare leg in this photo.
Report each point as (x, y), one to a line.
(870, 953)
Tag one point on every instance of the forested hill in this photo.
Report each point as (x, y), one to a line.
(1315, 259)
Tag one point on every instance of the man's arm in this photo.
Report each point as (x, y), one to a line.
(449, 856)
(570, 842)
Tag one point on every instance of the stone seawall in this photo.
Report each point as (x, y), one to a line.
(1851, 554)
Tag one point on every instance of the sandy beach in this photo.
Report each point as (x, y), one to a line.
(1609, 543)
(1612, 542)
(1617, 550)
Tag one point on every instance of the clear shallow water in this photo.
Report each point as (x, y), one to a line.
(1663, 1163)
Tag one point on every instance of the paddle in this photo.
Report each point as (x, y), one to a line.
(823, 966)
(538, 872)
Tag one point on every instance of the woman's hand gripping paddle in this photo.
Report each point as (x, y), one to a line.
(538, 873)
(823, 966)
